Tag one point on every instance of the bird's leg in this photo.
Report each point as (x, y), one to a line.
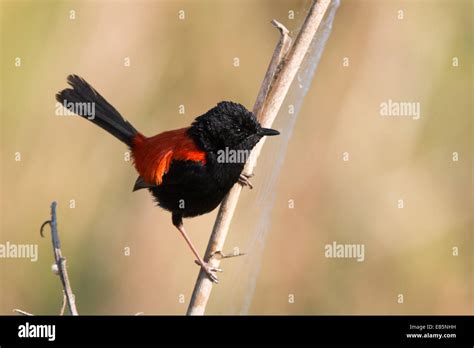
(178, 222)
(244, 180)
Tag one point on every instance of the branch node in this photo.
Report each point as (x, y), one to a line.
(283, 30)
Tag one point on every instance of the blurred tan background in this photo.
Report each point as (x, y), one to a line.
(190, 62)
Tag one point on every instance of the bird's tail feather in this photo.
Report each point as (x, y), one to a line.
(85, 101)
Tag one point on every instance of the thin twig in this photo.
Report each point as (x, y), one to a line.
(60, 260)
(280, 74)
(279, 53)
(19, 311)
(63, 307)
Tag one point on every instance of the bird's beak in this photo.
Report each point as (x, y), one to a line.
(268, 132)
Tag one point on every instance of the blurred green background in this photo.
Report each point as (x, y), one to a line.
(190, 62)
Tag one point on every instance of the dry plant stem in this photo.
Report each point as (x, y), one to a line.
(280, 74)
(203, 287)
(60, 260)
(63, 307)
(19, 311)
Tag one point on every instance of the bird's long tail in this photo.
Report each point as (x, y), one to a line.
(85, 101)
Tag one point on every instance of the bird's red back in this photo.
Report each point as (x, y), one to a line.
(153, 156)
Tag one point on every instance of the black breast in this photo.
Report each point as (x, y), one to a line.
(191, 188)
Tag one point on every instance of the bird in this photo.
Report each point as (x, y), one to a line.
(185, 169)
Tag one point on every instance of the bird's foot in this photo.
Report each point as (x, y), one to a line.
(210, 270)
(244, 180)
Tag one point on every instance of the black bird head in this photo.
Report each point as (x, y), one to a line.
(228, 125)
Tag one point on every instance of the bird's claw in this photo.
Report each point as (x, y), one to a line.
(244, 180)
(210, 270)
